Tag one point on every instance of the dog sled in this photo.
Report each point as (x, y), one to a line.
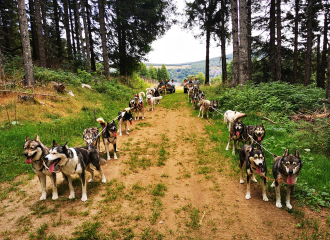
(190, 85)
(166, 87)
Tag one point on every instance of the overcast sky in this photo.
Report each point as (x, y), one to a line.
(178, 45)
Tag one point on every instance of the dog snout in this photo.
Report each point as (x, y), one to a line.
(26, 154)
(290, 171)
(260, 164)
(46, 158)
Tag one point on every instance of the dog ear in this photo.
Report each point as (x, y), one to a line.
(66, 145)
(55, 143)
(297, 154)
(37, 139)
(27, 138)
(286, 152)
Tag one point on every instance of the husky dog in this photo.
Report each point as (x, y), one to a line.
(286, 170)
(124, 116)
(91, 134)
(74, 160)
(255, 162)
(150, 102)
(230, 116)
(139, 105)
(237, 133)
(109, 135)
(35, 151)
(257, 133)
(201, 95)
(131, 104)
(204, 105)
(157, 94)
(214, 106)
(190, 94)
(195, 100)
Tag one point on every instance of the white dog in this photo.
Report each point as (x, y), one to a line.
(230, 116)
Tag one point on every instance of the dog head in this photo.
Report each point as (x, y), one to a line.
(215, 104)
(111, 127)
(33, 150)
(260, 132)
(149, 98)
(90, 134)
(202, 95)
(131, 103)
(256, 158)
(58, 156)
(291, 164)
(238, 127)
(195, 98)
(136, 97)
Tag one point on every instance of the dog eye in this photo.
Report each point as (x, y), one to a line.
(287, 163)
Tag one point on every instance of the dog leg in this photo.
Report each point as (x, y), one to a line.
(126, 128)
(273, 184)
(143, 114)
(241, 179)
(53, 180)
(234, 143)
(248, 185)
(264, 196)
(83, 187)
(42, 179)
(278, 195)
(72, 195)
(119, 128)
(227, 148)
(89, 169)
(114, 151)
(254, 178)
(104, 180)
(107, 150)
(288, 194)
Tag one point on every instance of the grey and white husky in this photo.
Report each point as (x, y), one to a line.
(35, 151)
(74, 160)
(286, 170)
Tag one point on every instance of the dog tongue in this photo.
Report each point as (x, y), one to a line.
(259, 138)
(259, 170)
(51, 167)
(130, 123)
(290, 179)
(29, 160)
(115, 134)
(237, 133)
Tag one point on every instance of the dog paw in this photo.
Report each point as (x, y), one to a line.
(247, 196)
(288, 205)
(90, 180)
(120, 135)
(117, 150)
(104, 180)
(254, 180)
(55, 196)
(115, 157)
(278, 205)
(241, 181)
(43, 197)
(273, 184)
(71, 196)
(265, 198)
(109, 158)
(127, 133)
(84, 199)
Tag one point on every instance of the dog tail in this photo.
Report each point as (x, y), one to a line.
(142, 93)
(158, 98)
(100, 120)
(102, 161)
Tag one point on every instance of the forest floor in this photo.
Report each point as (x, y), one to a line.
(167, 183)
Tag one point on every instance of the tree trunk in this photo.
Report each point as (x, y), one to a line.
(249, 33)
(223, 43)
(279, 42)
(324, 52)
(5, 32)
(318, 56)
(45, 27)
(88, 52)
(57, 29)
(2, 69)
(207, 63)
(308, 63)
(72, 32)
(243, 48)
(33, 31)
(235, 70)
(67, 28)
(104, 39)
(23, 25)
(41, 45)
(272, 41)
(328, 75)
(78, 28)
(91, 42)
(295, 51)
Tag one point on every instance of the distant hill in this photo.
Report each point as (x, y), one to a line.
(178, 72)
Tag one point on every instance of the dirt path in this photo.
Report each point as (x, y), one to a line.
(168, 181)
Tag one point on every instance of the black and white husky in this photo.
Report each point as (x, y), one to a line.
(255, 162)
(286, 170)
(74, 161)
(124, 117)
(237, 133)
(258, 133)
(90, 135)
(109, 135)
(35, 151)
(139, 106)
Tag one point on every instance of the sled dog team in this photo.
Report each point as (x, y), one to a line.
(48, 161)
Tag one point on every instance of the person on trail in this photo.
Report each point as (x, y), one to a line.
(184, 86)
(190, 81)
(161, 82)
(196, 81)
(173, 85)
(166, 81)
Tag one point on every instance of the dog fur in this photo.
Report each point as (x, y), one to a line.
(109, 135)
(139, 105)
(74, 160)
(258, 133)
(190, 94)
(124, 116)
(204, 105)
(230, 116)
(89, 135)
(237, 133)
(255, 162)
(214, 105)
(195, 100)
(286, 169)
(35, 151)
